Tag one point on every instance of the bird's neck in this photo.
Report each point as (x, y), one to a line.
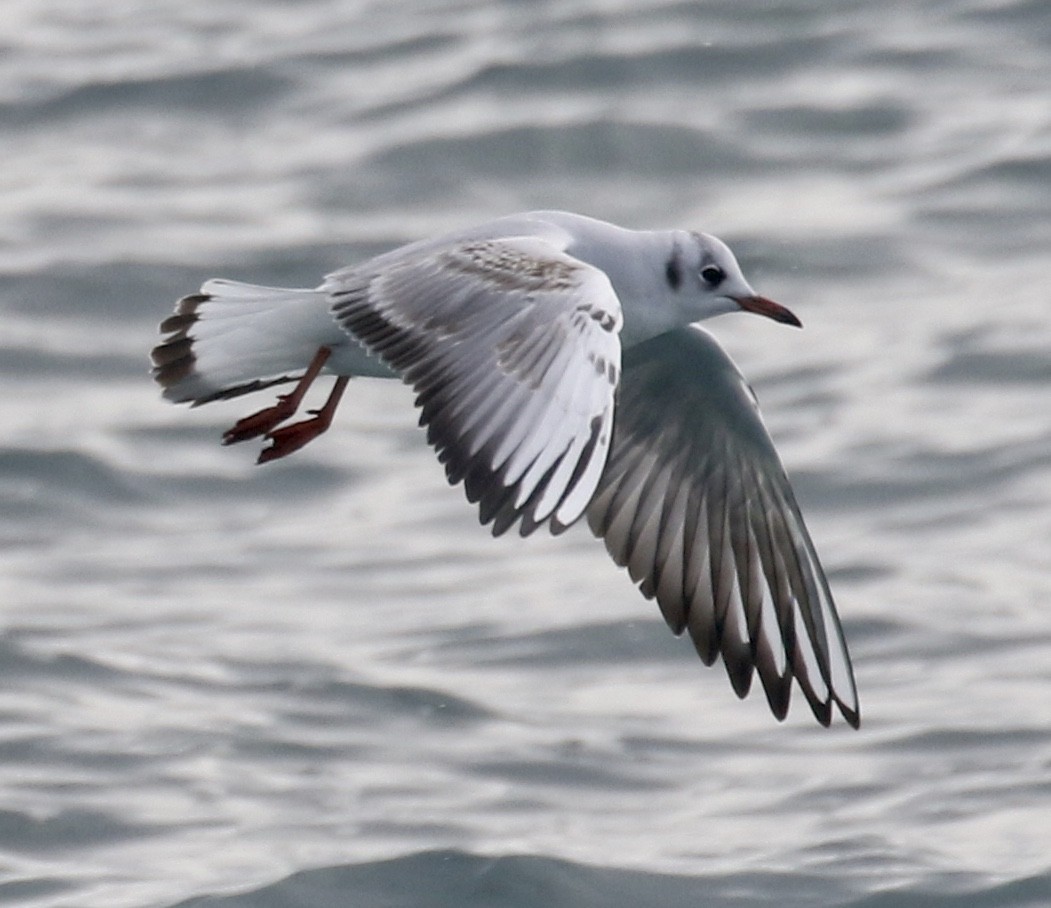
(637, 264)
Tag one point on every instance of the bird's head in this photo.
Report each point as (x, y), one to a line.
(706, 276)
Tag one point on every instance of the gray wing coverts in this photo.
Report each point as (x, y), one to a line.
(695, 503)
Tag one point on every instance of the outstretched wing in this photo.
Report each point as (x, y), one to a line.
(512, 347)
(695, 503)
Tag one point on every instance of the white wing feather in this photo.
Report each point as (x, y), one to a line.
(512, 346)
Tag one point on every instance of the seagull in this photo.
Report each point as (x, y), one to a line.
(559, 373)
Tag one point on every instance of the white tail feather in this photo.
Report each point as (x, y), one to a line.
(232, 338)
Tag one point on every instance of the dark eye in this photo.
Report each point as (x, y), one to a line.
(712, 275)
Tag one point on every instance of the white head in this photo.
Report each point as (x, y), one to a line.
(704, 274)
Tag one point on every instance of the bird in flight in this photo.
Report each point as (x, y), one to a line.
(560, 374)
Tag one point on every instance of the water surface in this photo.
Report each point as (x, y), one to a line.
(320, 682)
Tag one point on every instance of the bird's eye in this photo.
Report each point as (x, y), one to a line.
(712, 275)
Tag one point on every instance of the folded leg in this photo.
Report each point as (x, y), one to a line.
(267, 420)
(291, 438)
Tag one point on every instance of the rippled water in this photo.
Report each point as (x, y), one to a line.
(319, 682)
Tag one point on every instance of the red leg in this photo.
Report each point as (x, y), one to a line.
(291, 438)
(266, 420)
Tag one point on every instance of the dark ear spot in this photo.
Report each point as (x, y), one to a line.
(673, 271)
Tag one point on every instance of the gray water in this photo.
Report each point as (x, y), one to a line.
(320, 682)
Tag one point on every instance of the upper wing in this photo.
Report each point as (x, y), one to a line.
(695, 502)
(513, 348)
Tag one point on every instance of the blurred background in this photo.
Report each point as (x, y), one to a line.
(320, 682)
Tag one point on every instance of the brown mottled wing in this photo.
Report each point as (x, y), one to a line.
(512, 347)
(695, 503)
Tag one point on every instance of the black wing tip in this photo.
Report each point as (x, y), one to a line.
(740, 671)
(851, 713)
(778, 692)
(557, 527)
(823, 712)
(778, 696)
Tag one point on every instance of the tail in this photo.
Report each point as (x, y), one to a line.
(231, 338)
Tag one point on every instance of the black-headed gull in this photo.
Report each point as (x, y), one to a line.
(559, 373)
